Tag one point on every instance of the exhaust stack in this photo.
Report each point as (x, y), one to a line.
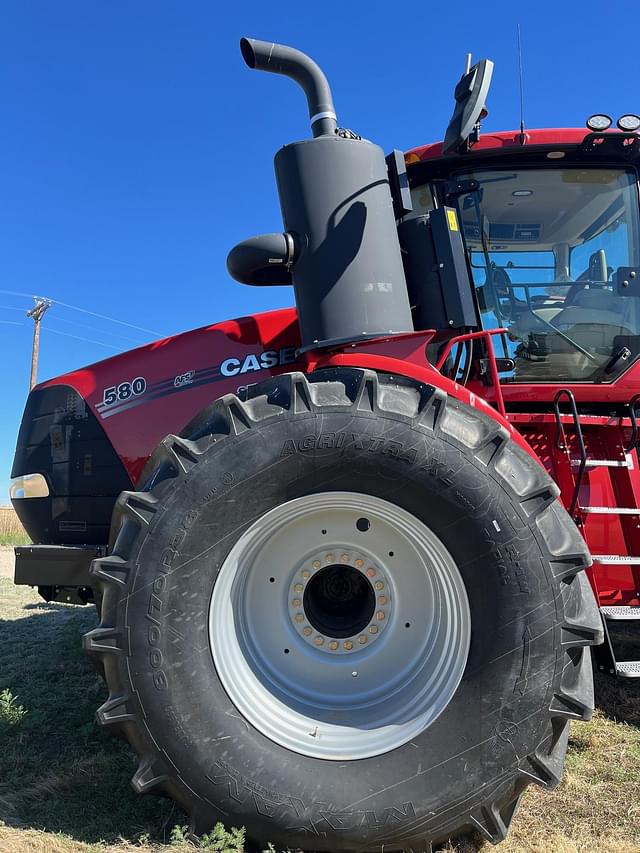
(280, 59)
(340, 249)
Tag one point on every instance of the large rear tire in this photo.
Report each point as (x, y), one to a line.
(347, 613)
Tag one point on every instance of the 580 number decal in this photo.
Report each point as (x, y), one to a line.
(123, 391)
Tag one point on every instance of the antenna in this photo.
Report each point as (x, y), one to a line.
(523, 137)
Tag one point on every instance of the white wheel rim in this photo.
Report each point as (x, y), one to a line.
(339, 697)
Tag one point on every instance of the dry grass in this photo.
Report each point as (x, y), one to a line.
(11, 531)
(64, 783)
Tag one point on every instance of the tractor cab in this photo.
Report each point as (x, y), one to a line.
(522, 252)
(553, 254)
(550, 233)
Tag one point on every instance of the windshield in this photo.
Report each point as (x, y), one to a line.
(546, 248)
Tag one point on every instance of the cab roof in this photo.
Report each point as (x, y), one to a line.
(561, 137)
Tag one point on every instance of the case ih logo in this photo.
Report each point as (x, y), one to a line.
(257, 361)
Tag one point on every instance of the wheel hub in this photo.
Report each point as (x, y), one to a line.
(339, 601)
(339, 625)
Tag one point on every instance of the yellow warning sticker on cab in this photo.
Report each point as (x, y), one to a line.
(452, 219)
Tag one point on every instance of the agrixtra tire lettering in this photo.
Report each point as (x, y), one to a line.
(357, 441)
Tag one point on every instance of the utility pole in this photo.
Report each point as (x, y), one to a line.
(37, 313)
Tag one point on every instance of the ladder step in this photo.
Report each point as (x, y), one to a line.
(615, 558)
(622, 612)
(611, 510)
(628, 668)
(627, 462)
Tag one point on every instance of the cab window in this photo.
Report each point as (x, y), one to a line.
(547, 248)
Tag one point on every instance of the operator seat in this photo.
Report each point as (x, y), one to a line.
(597, 320)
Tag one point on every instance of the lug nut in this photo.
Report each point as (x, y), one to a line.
(305, 574)
(379, 615)
(344, 558)
(373, 629)
(299, 617)
(330, 558)
(296, 602)
(362, 640)
(333, 645)
(379, 585)
(319, 641)
(348, 645)
(307, 631)
(371, 572)
(358, 563)
(316, 564)
(382, 600)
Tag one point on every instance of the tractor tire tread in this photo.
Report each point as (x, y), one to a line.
(430, 409)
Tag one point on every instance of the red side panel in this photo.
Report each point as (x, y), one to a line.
(144, 394)
(606, 511)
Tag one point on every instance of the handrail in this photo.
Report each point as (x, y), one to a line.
(561, 444)
(491, 357)
(633, 441)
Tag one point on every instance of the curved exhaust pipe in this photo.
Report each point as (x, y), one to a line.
(280, 59)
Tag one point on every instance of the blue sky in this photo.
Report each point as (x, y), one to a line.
(136, 147)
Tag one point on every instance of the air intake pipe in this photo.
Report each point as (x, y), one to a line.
(263, 260)
(340, 248)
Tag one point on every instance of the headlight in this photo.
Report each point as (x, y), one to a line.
(28, 486)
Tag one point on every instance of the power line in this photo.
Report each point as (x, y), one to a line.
(86, 340)
(11, 323)
(18, 293)
(111, 319)
(84, 311)
(93, 329)
(73, 323)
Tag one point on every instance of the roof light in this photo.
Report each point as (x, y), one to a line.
(521, 193)
(599, 122)
(629, 122)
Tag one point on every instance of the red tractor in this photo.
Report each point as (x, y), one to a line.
(339, 551)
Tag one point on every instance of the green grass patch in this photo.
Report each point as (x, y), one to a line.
(11, 714)
(11, 531)
(12, 539)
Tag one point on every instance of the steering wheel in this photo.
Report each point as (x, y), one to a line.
(501, 286)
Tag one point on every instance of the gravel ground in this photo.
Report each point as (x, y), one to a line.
(6, 561)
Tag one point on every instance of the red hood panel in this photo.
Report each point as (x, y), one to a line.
(144, 394)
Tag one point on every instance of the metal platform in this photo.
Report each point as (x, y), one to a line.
(615, 559)
(611, 510)
(621, 613)
(627, 462)
(628, 668)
